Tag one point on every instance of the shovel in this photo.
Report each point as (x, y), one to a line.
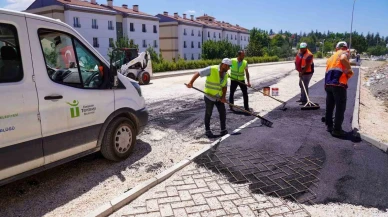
(264, 121)
(284, 103)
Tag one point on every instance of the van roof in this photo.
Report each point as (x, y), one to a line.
(26, 14)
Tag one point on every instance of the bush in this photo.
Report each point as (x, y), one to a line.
(318, 54)
(181, 64)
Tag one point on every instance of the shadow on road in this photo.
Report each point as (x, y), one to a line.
(299, 160)
(42, 193)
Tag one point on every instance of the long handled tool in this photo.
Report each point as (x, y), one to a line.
(309, 105)
(284, 103)
(263, 120)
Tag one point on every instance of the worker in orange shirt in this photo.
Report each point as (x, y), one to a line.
(338, 71)
(304, 64)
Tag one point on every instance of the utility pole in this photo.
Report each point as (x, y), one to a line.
(351, 27)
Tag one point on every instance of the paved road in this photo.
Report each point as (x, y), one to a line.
(334, 170)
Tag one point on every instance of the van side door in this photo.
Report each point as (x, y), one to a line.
(20, 130)
(73, 100)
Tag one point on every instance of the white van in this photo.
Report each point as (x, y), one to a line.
(59, 98)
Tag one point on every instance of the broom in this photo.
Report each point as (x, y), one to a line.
(264, 121)
(309, 105)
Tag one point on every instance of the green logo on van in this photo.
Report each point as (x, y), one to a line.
(74, 111)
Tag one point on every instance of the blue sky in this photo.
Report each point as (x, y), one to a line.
(295, 16)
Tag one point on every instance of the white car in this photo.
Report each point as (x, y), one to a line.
(56, 108)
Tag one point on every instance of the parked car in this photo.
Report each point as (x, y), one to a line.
(60, 99)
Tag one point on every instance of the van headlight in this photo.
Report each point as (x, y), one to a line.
(137, 87)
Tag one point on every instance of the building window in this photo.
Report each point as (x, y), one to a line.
(192, 32)
(199, 56)
(184, 44)
(227, 36)
(235, 37)
(155, 43)
(241, 38)
(94, 24)
(231, 36)
(132, 27)
(199, 33)
(77, 24)
(192, 44)
(95, 42)
(219, 35)
(184, 32)
(185, 57)
(208, 34)
(214, 35)
(155, 29)
(192, 56)
(144, 29)
(12, 66)
(144, 43)
(111, 42)
(245, 38)
(110, 25)
(199, 44)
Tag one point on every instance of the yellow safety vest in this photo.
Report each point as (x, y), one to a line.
(213, 85)
(236, 72)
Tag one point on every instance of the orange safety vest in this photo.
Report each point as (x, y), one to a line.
(335, 71)
(301, 62)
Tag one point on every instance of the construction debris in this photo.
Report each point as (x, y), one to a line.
(376, 80)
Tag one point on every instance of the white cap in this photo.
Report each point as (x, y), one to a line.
(303, 45)
(227, 61)
(341, 44)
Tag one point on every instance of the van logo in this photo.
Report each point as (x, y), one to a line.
(74, 110)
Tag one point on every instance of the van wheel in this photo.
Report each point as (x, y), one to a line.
(144, 78)
(119, 139)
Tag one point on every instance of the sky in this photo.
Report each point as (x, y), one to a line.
(294, 16)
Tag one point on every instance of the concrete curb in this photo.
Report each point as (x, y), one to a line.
(356, 125)
(176, 74)
(125, 198)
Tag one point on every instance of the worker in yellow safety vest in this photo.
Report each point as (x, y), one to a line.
(237, 76)
(215, 88)
(338, 71)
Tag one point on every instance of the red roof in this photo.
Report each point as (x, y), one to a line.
(81, 3)
(187, 20)
(130, 11)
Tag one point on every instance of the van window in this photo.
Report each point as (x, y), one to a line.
(11, 68)
(68, 62)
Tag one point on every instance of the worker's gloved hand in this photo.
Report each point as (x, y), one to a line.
(249, 84)
(189, 85)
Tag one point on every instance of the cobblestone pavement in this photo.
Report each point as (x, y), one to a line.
(200, 191)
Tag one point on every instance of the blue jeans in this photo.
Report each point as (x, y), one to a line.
(306, 81)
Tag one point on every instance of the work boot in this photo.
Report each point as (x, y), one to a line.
(224, 132)
(329, 129)
(209, 134)
(338, 133)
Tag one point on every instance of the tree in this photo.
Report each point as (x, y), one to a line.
(271, 32)
(258, 41)
(219, 49)
(154, 56)
(123, 42)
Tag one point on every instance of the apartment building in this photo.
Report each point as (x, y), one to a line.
(179, 35)
(102, 24)
(141, 27)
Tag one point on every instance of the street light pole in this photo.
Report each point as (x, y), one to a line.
(323, 48)
(351, 27)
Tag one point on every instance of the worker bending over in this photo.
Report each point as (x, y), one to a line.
(305, 66)
(238, 70)
(215, 88)
(338, 71)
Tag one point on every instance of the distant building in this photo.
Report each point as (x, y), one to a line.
(101, 25)
(183, 36)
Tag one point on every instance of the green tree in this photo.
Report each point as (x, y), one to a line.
(123, 42)
(219, 49)
(258, 41)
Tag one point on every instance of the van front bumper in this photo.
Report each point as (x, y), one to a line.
(142, 115)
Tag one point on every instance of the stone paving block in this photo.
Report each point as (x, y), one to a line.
(243, 192)
(213, 203)
(188, 180)
(198, 208)
(227, 189)
(198, 199)
(213, 193)
(182, 204)
(160, 194)
(178, 183)
(168, 200)
(184, 195)
(278, 210)
(199, 190)
(229, 207)
(180, 212)
(228, 197)
(213, 185)
(200, 183)
(172, 191)
(152, 205)
(151, 214)
(194, 215)
(137, 210)
(246, 211)
(244, 201)
(166, 210)
(186, 187)
(213, 213)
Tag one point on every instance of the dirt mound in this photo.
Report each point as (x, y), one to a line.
(376, 80)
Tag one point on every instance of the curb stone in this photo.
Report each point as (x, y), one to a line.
(175, 74)
(125, 198)
(356, 125)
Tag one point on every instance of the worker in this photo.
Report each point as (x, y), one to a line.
(238, 71)
(304, 64)
(338, 71)
(215, 89)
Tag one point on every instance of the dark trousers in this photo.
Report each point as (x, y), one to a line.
(306, 81)
(335, 97)
(209, 111)
(244, 89)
